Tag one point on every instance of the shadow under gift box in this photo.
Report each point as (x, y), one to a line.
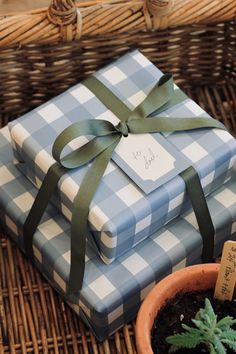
(111, 294)
(121, 215)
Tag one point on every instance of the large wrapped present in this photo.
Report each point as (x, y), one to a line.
(141, 189)
(111, 294)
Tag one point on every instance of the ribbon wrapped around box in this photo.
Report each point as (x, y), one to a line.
(135, 213)
(111, 294)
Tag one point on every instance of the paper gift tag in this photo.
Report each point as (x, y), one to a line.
(226, 279)
(149, 160)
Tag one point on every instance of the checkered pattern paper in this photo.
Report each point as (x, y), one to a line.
(134, 215)
(111, 294)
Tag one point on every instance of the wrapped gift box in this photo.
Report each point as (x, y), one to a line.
(111, 294)
(134, 215)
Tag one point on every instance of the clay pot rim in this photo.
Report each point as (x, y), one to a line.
(198, 277)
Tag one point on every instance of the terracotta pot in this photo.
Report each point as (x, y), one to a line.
(189, 279)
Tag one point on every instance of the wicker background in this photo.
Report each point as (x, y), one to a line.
(33, 318)
(7, 6)
(200, 56)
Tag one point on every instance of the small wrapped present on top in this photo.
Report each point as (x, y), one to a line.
(111, 294)
(141, 189)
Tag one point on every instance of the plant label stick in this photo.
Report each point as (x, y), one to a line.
(227, 274)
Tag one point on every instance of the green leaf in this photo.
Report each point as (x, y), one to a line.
(210, 312)
(231, 344)
(227, 321)
(220, 349)
(192, 330)
(206, 331)
(173, 349)
(184, 340)
(229, 334)
(201, 325)
(212, 349)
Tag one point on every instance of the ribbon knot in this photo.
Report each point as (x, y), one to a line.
(123, 128)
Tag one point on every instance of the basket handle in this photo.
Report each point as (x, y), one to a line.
(157, 13)
(65, 14)
(160, 7)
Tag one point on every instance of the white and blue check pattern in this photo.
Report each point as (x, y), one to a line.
(133, 215)
(111, 294)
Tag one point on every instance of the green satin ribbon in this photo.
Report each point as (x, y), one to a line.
(99, 152)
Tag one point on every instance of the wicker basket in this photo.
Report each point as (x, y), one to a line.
(44, 52)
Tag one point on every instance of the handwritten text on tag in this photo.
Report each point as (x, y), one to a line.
(227, 274)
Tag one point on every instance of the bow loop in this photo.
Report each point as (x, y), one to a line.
(102, 130)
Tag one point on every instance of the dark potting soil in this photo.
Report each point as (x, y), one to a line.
(182, 309)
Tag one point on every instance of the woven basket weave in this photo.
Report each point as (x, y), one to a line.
(44, 52)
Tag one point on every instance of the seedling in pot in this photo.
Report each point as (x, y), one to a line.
(215, 335)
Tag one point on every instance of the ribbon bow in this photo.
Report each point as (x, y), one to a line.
(99, 151)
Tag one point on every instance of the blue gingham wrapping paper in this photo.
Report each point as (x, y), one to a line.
(111, 294)
(134, 215)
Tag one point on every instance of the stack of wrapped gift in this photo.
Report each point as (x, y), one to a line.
(140, 221)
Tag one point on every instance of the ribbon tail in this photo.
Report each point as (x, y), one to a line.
(80, 213)
(107, 97)
(159, 95)
(200, 208)
(166, 124)
(41, 201)
(178, 97)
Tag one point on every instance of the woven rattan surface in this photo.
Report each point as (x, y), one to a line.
(45, 51)
(197, 55)
(33, 318)
(64, 20)
(202, 57)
